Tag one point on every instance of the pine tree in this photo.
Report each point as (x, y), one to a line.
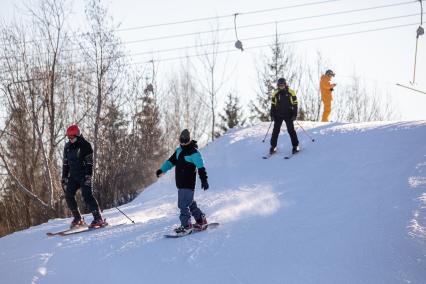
(280, 64)
(150, 148)
(232, 116)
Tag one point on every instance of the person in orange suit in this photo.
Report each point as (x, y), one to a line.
(326, 88)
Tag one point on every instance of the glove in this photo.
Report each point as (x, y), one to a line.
(158, 173)
(204, 185)
(293, 118)
(88, 180)
(331, 89)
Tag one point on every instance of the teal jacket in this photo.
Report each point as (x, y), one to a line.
(187, 160)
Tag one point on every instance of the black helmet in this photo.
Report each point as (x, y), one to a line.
(184, 137)
(330, 73)
(281, 81)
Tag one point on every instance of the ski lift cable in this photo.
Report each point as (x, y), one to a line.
(267, 45)
(342, 25)
(280, 34)
(246, 26)
(276, 22)
(226, 16)
(203, 19)
(400, 85)
(289, 42)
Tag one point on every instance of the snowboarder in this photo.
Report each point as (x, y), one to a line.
(326, 97)
(187, 159)
(77, 173)
(284, 108)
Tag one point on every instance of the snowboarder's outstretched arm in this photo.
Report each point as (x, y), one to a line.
(167, 165)
(197, 159)
(203, 177)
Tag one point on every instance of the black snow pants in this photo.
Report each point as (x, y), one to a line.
(72, 186)
(290, 129)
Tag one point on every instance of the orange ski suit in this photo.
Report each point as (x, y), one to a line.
(326, 88)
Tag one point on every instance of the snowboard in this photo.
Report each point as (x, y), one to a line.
(175, 235)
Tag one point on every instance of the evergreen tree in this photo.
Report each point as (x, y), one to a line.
(280, 64)
(232, 116)
(150, 149)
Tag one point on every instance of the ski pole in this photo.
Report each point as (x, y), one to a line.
(313, 140)
(124, 214)
(267, 131)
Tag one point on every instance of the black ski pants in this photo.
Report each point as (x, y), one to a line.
(278, 121)
(72, 186)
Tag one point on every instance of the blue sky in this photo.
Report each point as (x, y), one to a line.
(381, 58)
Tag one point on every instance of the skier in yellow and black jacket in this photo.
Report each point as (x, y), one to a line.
(284, 108)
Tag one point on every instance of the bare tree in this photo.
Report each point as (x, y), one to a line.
(102, 53)
(184, 106)
(35, 90)
(42, 88)
(310, 103)
(355, 103)
(213, 82)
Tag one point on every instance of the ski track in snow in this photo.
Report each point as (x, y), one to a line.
(350, 208)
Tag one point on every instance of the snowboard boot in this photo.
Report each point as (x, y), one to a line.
(201, 224)
(295, 150)
(272, 150)
(184, 230)
(97, 222)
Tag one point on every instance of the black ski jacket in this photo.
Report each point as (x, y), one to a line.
(284, 103)
(77, 160)
(187, 160)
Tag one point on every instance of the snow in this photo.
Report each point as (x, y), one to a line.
(349, 208)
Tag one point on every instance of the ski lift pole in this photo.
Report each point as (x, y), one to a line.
(267, 132)
(312, 139)
(420, 31)
(124, 214)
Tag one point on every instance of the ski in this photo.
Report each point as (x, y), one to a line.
(84, 229)
(67, 231)
(267, 156)
(81, 229)
(175, 235)
(291, 155)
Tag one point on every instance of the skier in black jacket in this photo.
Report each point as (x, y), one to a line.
(77, 173)
(284, 108)
(187, 160)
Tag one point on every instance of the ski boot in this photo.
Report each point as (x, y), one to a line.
(97, 222)
(295, 150)
(77, 222)
(201, 224)
(272, 150)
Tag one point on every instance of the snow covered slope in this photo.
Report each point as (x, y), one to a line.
(349, 208)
